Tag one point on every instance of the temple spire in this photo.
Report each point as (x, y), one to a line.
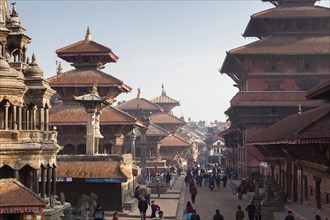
(88, 37)
(163, 90)
(139, 93)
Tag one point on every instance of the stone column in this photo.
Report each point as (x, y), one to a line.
(36, 181)
(54, 180)
(14, 118)
(158, 151)
(34, 118)
(90, 136)
(132, 138)
(41, 118)
(24, 117)
(46, 118)
(6, 115)
(143, 144)
(118, 145)
(16, 173)
(49, 183)
(27, 119)
(43, 182)
(19, 117)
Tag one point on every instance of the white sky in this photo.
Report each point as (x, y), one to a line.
(180, 44)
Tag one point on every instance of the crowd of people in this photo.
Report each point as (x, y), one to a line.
(196, 176)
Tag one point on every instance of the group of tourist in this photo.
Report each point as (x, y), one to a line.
(144, 202)
(191, 213)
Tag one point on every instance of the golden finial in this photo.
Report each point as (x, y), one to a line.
(163, 90)
(59, 68)
(88, 37)
(139, 93)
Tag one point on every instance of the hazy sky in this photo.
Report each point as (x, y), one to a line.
(180, 44)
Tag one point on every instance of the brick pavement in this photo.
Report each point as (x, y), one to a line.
(167, 202)
(220, 198)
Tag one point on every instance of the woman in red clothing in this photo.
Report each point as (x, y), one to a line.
(115, 216)
(188, 210)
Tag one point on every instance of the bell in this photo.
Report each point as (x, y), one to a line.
(98, 133)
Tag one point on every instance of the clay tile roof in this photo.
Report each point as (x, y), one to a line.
(89, 169)
(287, 45)
(75, 114)
(137, 103)
(321, 91)
(155, 130)
(174, 141)
(83, 78)
(16, 198)
(312, 126)
(164, 99)
(82, 47)
(165, 118)
(294, 12)
(273, 98)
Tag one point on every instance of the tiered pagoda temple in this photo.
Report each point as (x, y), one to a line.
(297, 153)
(165, 102)
(28, 146)
(90, 129)
(274, 72)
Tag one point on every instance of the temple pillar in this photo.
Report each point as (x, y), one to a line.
(16, 173)
(27, 119)
(132, 138)
(46, 118)
(118, 146)
(36, 181)
(90, 136)
(6, 115)
(19, 119)
(24, 118)
(143, 144)
(43, 182)
(33, 118)
(49, 183)
(14, 127)
(41, 118)
(53, 180)
(158, 150)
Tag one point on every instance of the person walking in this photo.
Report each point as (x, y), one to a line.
(289, 216)
(154, 209)
(217, 215)
(239, 213)
(98, 213)
(143, 206)
(224, 181)
(193, 193)
(251, 209)
(168, 179)
(188, 210)
(195, 216)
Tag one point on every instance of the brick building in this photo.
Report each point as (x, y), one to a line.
(274, 72)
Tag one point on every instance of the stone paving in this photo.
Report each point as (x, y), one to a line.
(207, 202)
(173, 203)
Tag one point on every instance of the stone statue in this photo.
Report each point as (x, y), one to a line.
(62, 198)
(82, 206)
(52, 201)
(92, 203)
